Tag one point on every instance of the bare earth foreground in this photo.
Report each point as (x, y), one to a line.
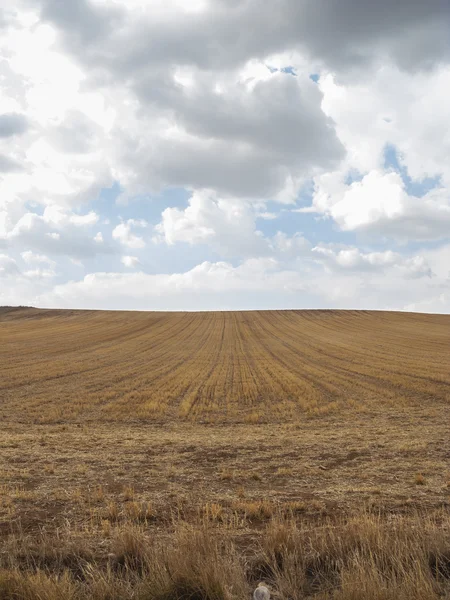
(191, 455)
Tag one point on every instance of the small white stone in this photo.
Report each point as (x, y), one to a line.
(261, 593)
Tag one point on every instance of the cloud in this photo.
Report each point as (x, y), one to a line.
(243, 106)
(436, 304)
(9, 165)
(12, 124)
(351, 259)
(8, 266)
(201, 287)
(228, 226)
(54, 232)
(242, 131)
(290, 247)
(31, 258)
(11, 270)
(354, 259)
(242, 138)
(198, 108)
(340, 34)
(379, 204)
(130, 261)
(373, 281)
(190, 105)
(89, 219)
(40, 273)
(76, 133)
(406, 110)
(23, 287)
(123, 233)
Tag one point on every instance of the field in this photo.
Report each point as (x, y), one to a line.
(191, 455)
(59, 366)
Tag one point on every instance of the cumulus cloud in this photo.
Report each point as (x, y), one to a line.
(340, 34)
(289, 247)
(380, 204)
(22, 287)
(228, 132)
(123, 233)
(406, 110)
(228, 226)
(25, 279)
(244, 130)
(206, 286)
(32, 258)
(55, 232)
(130, 261)
(353, 259)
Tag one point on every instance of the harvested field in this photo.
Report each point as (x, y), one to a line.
(58, 366)
(158, 456)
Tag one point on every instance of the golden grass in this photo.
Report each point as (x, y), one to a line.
(357, 558)
(335, 511)
(71, 366)
(190, 456)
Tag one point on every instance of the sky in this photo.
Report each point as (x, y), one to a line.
(225, 154)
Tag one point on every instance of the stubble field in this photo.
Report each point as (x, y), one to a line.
(59, 366)
(188, 455)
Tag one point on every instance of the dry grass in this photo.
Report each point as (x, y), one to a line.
(358, 558)
(322, 520)
(189, 456)
(252, 367)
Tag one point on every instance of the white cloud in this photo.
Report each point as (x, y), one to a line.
(123, 233)
(416, 267)
(38, 261)
(32, 258)
(8, 266)
(226, 224)
(379, 203)
(267, 216)
(371, 282)
(40, 273)
(205, 286)
(436, 304)
(56, 216)
(130, 261)
(22, 287)
(288, 247)
(48, 125)
(56, 231)
(353, 259)
(89, 219)
(407, 110)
